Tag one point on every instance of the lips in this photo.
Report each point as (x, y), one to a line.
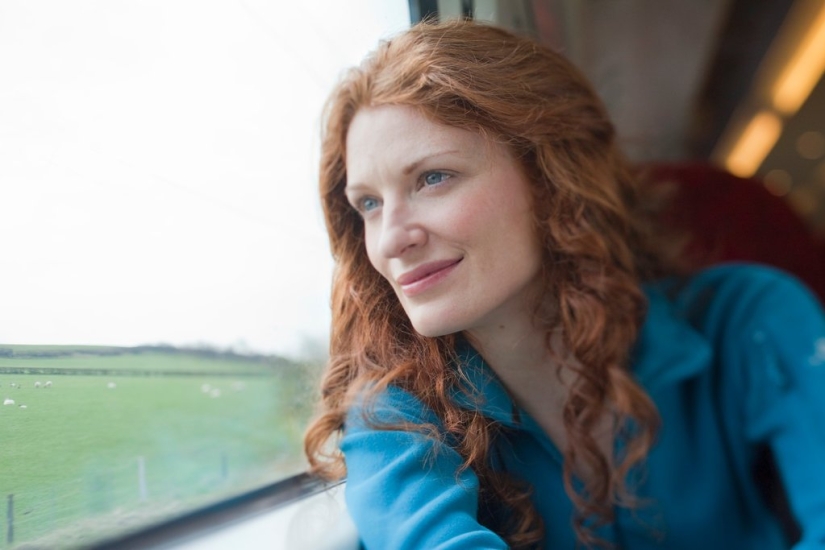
(426, 276)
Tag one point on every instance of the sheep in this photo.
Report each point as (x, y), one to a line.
(48, 384)
(8, 401)
(23, 407)
(111, 385)
(205, 388)
(37, 384)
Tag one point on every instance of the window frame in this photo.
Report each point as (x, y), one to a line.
(221, 514)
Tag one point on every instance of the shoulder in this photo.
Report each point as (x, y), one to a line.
(390, 406)
(727, 314)
(389, 427)
(747, 275)
(763, 324)
(385, 421)
(738, 295)
(407, 487)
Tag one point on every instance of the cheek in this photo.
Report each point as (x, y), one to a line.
(467, 221)
(371, 246)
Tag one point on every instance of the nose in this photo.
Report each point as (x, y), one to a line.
(401, 229)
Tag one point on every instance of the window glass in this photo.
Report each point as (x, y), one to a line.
(164, 271)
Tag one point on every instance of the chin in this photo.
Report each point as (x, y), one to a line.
(436, 325)
(432, 332)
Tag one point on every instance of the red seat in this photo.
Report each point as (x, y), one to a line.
(732, 218)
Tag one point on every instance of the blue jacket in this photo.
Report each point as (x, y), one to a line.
(733, 357)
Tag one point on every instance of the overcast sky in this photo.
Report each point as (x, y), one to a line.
(158, 167)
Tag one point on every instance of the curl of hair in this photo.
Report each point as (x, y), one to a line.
(597, 249)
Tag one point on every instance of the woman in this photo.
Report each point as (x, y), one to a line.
(504, 349)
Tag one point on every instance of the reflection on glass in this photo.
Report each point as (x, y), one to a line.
(165, 272)
(111, 437)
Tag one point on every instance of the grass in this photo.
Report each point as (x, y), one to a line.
(73, 452)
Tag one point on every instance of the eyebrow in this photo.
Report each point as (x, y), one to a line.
(411, 167)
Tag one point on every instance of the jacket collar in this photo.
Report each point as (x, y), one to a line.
(481, 388)
(667, 352)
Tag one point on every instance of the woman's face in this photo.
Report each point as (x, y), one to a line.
(447, 218)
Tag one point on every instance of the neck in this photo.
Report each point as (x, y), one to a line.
(528, 369)
(519, 355)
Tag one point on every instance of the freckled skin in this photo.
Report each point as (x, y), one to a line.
(429, 193)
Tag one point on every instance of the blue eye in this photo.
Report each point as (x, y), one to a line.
(368, 203)
(434, 178)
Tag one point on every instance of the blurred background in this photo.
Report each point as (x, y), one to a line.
(736, 83)
(158, 159)
(164, 270)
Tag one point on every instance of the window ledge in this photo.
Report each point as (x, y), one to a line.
(297, 513)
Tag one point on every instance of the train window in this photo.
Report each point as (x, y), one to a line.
(164, 266)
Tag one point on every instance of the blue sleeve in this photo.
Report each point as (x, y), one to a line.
(404, 489)
(785, 403)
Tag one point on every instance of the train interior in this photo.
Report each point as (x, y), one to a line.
(724, 99)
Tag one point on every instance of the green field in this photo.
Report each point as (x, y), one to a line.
(153, 433)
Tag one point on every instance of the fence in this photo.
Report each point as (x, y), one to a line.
(114, 499)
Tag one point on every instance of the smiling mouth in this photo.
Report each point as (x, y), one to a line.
(426, 277)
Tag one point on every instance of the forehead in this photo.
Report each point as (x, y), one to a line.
(398, 134)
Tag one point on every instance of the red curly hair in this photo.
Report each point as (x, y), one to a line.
(597, 248)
